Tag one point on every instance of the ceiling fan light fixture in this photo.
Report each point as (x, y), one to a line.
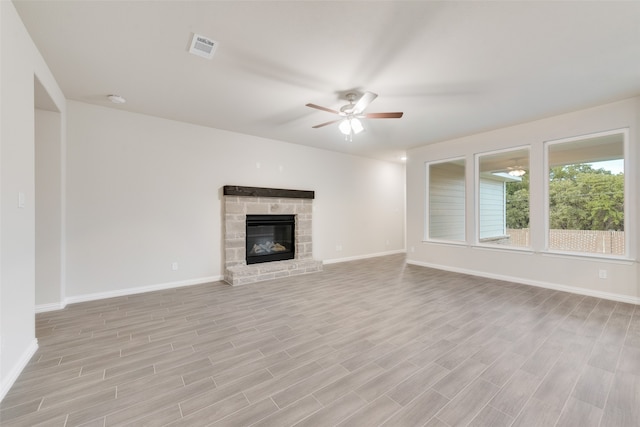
(356, 126)
(517, 172)
(345, 127)
(350, 126)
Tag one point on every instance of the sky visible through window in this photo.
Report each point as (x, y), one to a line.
(615, 166)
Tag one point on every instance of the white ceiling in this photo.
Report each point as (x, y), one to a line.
(453, 68)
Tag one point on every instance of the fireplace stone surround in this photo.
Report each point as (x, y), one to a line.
(242, 201)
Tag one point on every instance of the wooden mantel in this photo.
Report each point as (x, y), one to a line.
(235, 190)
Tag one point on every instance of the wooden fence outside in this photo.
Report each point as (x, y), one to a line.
(602, 242)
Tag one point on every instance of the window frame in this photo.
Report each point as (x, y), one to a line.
(427, 216)
(476, 178)
(627, 219)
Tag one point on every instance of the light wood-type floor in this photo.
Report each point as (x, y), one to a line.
(364, 343)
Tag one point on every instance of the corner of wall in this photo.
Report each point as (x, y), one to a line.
(12, 376)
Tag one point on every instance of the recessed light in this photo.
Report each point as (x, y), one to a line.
(403, 158)
(116, 99)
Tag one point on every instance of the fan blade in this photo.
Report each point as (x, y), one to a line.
(319, 107)
(325, 124)
(382, 115)
(364, 102)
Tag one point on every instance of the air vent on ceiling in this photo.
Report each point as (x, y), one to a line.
(203, 46)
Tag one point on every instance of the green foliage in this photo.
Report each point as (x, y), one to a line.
(583, 198)
(518, 203)
(580, 198)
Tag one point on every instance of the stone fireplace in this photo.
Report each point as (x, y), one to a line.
(271, 208)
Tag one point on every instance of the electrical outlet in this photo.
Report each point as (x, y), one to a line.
(413, 249)
(338, 248)
(174, 266)
(602, 274)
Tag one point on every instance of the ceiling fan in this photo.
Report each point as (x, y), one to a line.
(351, 114)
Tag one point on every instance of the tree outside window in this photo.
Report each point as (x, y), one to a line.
(586, 194)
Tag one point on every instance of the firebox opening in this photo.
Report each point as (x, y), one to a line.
(270, 238)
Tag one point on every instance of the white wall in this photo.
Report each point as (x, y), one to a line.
(48, 198)
(575, 273)
(19, 63)
(144, 192)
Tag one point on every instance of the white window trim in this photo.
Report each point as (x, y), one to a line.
(628, 221)
(425, 219)
(476, 207)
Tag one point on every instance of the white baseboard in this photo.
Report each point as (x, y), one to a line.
(140, 290)
(359, 257)
(539, 284)
(11, 378)
(43, 308)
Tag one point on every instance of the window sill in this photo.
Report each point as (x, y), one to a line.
(504, 248)
(616, 259)
(445, 242)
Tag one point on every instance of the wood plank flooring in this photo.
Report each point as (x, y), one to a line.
(363, 343)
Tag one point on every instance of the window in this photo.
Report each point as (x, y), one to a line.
(503, 198)
(446, 202)
(586, 194)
